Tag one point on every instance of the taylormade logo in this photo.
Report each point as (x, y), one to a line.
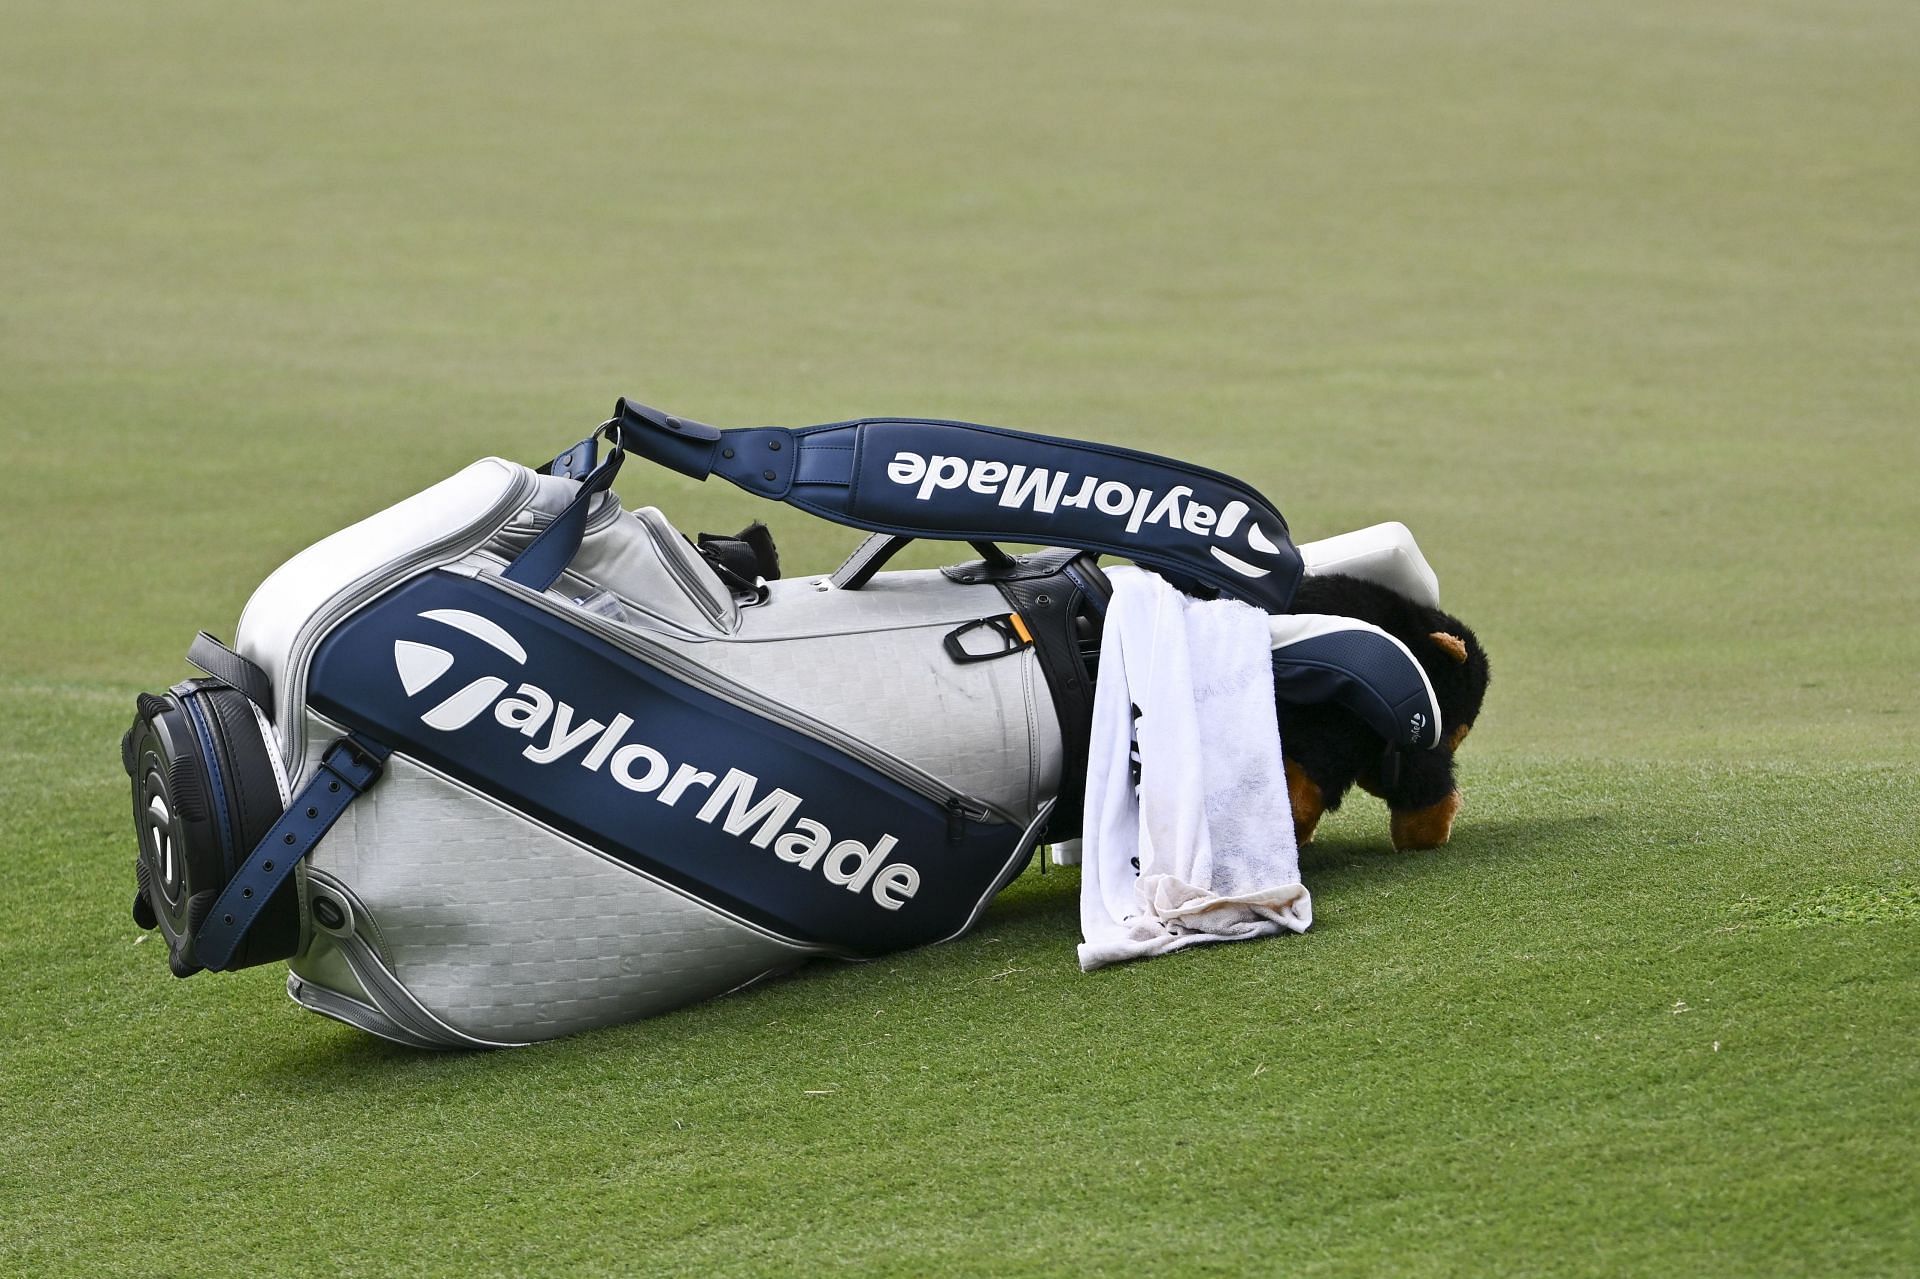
(733, 800)
(1044, 491)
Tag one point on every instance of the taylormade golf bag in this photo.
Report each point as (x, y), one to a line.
(506, 761)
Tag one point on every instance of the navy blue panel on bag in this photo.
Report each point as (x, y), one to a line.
(961, 481)
(749, 815)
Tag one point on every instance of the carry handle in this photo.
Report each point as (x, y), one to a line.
(221, 662)
(959, 481)
(871, 555)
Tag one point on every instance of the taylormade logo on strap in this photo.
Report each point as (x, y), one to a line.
(1043, 491)
(733, 800)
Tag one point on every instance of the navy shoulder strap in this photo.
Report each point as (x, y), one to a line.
(963, 482)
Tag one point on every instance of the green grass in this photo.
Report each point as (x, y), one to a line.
(1617, 306)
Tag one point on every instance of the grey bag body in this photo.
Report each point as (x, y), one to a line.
(436, 914)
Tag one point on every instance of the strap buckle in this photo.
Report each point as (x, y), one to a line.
(356, 764)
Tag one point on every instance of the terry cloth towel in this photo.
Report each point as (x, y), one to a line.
(1188, 835)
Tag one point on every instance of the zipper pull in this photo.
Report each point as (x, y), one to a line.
(956, 821)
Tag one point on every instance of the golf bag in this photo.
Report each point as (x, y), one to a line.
(507, 761)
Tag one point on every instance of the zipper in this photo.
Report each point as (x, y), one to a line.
(959, 806)
(367, 587)
(956, 822)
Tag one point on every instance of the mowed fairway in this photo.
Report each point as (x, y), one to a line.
(1618, 306)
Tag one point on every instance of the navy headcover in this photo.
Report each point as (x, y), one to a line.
(962, 482)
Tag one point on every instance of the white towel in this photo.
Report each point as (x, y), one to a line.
(1197, 846)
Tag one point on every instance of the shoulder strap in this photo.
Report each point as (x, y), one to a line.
(958, 481)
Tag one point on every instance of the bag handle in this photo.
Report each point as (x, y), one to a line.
(872, 555)
(221, 662)
(958, 481)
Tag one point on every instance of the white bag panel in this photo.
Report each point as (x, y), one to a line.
(987, 730)
(871, 663)
(508, 930)
(1383, 553)
(437, 525)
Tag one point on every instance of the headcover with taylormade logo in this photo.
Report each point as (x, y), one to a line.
(960, 481)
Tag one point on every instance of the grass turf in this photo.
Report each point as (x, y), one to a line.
(1616, 307)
